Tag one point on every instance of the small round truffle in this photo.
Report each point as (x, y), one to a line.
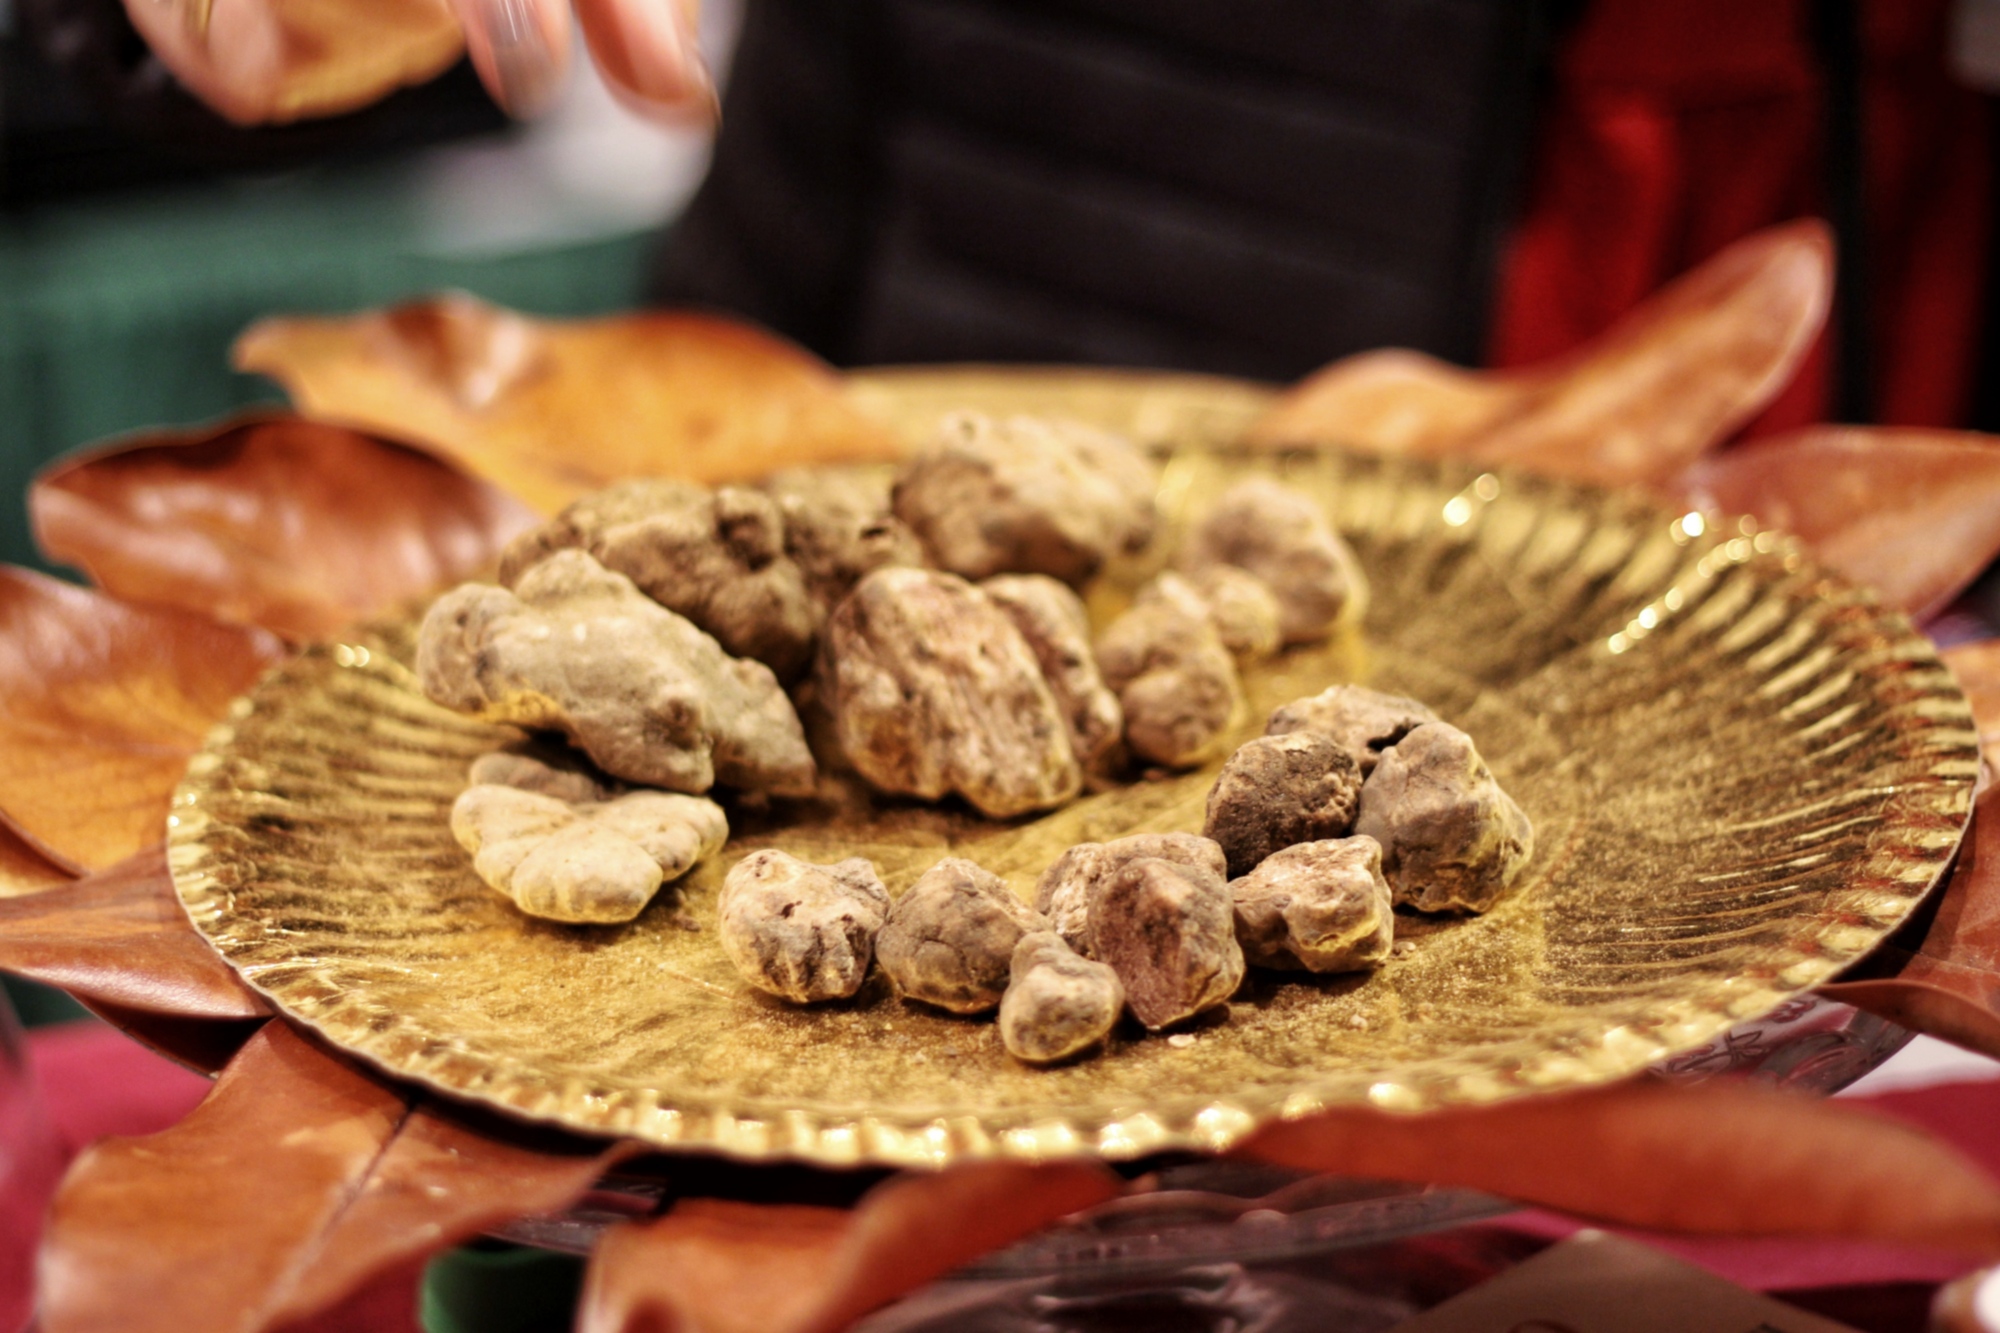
(1366, 722)
(950, 938)
(1283, 537)
(1452, 840)
(801, 931)
(1057, 1002)
(1279, 790)
(1322, 906)
(1169, 932)
(1236, 602)
(1176, 682)
(1067, 887)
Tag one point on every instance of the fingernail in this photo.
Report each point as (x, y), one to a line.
(524, 70)
(701, 99)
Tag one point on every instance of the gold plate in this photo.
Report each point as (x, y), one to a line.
(1743, 773)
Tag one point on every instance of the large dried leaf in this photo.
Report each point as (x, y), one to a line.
(120, 938)
(1730, 1159)
(294, 525)
(715, 1266)
(1916, 513)
(1676, 376)
(550, 410)
(259, 61)
(23, 870)
(101, 705)
(446, 1177)
(204, 1045)
(1940, 974)
(294, 1180)
(1977, 666)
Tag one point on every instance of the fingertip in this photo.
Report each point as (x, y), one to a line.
(649, 55)
(520, 49)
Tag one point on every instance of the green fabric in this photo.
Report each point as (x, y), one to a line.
(488, 1287)
(119, 315)
(38, 1005)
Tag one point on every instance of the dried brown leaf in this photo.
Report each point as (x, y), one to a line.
(445, 1178)
(23, 870)
(295, 1179)
(716, 1266)
(1730, 1159)
(1977, 666)
(551, 409)
(1940, 974)
(101, 705)
(1916, 513)
(1677, 375)
(259, 61)
(119, 937)
(293, 525)
(204, 1045)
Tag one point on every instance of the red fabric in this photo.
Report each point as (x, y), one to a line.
(1677, 126)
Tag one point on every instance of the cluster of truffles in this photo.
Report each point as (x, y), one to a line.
(658, 639)
(669, 631)
(1353, 803)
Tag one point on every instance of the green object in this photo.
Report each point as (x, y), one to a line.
(118, 315)
(40, 1005)
(490, 1287)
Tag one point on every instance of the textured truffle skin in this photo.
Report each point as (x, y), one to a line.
(839, 528)
(1176, 682)
(1283, 537)
(1322, 906)
(801, 931)
(1452, 840)
(1279, 790)
(933, 690)
(1024, 495)
(648, 696)
(1236, 602)
(1169, 932)
(1053, 621)
(1057, 1003)
(546, 768)
(950, 938)
(594, 862)
(1366, 722)
(716, 557)
(1068, 887)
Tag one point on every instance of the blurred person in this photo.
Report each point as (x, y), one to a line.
(1261, 187)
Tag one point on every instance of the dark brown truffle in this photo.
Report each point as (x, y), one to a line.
(1067, 888)
(1169, 932)
(1280, 790)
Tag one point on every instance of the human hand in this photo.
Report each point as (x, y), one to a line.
(270, 61)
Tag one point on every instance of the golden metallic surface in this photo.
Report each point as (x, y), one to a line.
(1743, 773)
